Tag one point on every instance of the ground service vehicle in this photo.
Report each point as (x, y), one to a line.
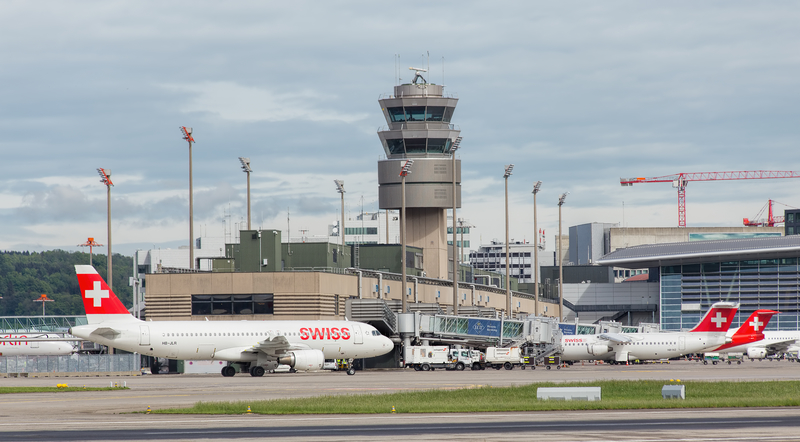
(498, 357)
(426, 357)
(464, 358)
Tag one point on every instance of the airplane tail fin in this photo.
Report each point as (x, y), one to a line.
(751, 330)
(755, 324)
(100, 303)
(718, 318)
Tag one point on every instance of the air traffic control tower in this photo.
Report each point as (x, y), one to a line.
(419, 128)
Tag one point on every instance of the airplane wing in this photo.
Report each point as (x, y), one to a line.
(780, 346)
(615, 337)
(278, 346)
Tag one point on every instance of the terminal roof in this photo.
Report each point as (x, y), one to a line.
(695, 252)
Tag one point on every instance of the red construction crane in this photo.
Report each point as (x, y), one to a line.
(680, 180)
(771, 219)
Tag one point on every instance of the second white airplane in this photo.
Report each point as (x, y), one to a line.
(624, 347)
(259, 345)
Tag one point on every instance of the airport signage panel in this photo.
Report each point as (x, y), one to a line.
(568, 329)
(484, 327)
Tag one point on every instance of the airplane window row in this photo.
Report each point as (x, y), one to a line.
(212, 334)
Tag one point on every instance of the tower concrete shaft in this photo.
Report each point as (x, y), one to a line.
(419, 128)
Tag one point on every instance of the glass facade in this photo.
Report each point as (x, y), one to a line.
(399, 146)
(420, 113)
(759, 284)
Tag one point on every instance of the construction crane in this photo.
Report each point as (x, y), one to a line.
(680, 180)
(771, 219)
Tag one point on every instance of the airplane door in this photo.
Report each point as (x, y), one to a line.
(34, 344)
(358, 338)
(682, 343)
(144, 335)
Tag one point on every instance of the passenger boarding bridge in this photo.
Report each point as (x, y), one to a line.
(428, 324)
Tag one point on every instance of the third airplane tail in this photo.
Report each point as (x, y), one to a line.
(751, 330)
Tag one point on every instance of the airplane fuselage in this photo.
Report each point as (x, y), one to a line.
(33, 346)
(770, 338)
(231, 340)
(644, 346)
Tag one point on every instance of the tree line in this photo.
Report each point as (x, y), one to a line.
(25, 276)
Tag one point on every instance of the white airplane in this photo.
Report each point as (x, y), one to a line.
(624, 347)
(261, 345)
(34, 345)
(762, 344)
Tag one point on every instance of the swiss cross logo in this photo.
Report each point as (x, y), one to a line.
(718, 320)
(97, 294)
(756, 324)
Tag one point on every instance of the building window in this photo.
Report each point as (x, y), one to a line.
(209, 305)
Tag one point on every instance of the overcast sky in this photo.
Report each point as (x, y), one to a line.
(575, 94)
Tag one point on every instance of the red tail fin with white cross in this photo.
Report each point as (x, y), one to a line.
(751, 330)
(718, 319)
(100, 303)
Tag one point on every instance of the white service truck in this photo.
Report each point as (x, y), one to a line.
(465, 358)
(508, 358)
(429, 357)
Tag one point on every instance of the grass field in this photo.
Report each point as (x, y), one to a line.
(615, 395)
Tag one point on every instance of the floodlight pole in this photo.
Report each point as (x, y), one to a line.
(456, 145)
(560, 262)
(187, 135)
(43, 299)
(340, 189)
(509, 307)
(536, 186)
(403, 286)
(90, 242)
(105, 178)
(246, 169)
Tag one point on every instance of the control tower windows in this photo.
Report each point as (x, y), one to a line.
(420, 113)
(438, 145)
(396, 146)
(399, 146)
(448, 114)
(435, 113)
(415, 145)
(396, 114)
(415, 113)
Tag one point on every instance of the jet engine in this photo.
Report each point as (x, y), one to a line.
(303, 360)
(756, 353)
(599, 349)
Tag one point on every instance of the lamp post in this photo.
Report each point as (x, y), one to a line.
(507, 174)
(560, 261)
(187, 135)
(246, 169)
(43, 299)
(404, 171)
(105, 178)
(453, 149)
(340, 189)
(536, 186)
(91, 243)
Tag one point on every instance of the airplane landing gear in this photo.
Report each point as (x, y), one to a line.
(228, 371)
(257, 370)
(351, 371)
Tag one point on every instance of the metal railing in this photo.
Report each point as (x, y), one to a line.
(30, 324)
(70, 364)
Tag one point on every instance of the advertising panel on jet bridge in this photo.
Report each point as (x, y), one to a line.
(568, 329)
(484, 327)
